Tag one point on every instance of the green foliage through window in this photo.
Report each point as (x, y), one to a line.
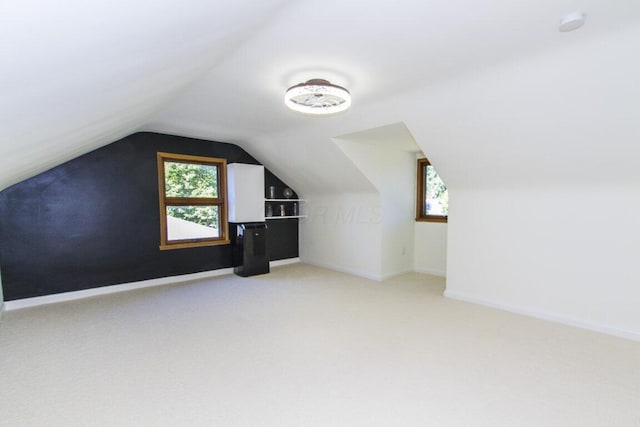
(437, 196)
(432, 198)
(190, 180)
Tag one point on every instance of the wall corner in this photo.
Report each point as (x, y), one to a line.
(1, 298)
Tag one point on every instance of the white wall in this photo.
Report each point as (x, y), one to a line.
(404, 245)
(392, 172)
(342, 232)
(430, 253)
(397, 198)
(568, 253)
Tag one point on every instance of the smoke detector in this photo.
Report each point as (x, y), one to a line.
(571, 22)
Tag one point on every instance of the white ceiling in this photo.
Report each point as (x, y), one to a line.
(78, 75)
(376, 49)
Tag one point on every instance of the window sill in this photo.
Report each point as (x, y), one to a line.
(433, 218)
(194, 244)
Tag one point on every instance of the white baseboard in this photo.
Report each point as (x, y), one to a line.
(105, 290)
(1, 309)
(396, 273)
(432, 272)
(281, 262)
(377, 278)
(565, 320)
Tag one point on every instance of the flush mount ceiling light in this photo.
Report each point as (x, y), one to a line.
(317, 96)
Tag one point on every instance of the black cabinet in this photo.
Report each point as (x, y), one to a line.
(250, 252)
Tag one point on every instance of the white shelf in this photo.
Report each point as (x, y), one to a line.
(285, 217)
(272, 204)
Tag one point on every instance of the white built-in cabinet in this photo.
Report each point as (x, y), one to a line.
(245, 188)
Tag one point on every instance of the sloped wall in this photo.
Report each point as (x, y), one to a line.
(112, 67)
(94, 221)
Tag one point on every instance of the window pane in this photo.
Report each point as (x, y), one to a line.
(437, 198)
(190, 180)
(193, 222)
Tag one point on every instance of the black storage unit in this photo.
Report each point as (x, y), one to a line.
(251, 253)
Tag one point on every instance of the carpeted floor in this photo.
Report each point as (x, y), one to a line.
(304, 346)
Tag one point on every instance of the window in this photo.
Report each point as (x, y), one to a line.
(193, 201)
(432, 202)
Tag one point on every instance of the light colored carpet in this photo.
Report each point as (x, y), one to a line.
(304, 346)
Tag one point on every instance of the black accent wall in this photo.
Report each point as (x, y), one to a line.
(94, 221)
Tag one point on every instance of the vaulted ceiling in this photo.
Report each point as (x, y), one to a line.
(77, 75)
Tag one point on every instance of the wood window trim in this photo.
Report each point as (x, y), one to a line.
(220, 201)
(421, 216)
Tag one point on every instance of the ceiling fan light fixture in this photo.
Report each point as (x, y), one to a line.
(317, 96)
